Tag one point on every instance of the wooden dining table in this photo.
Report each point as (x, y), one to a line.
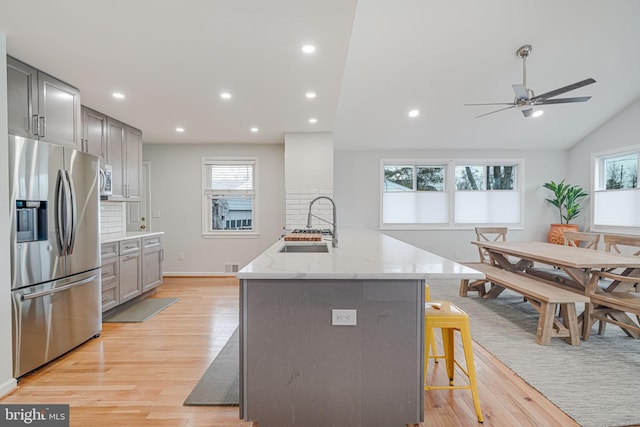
(577, 263)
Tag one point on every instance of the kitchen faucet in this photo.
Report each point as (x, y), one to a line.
(334, 234)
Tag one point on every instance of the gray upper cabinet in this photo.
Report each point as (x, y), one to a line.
(41, 106)
(124, 154)
(116, 155)
(94, 132)
(133, 162)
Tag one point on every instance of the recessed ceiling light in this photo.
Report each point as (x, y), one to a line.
(254, 129)
(225, 95)
(414, 113)
(313, 120)
(310, 95)
(179, 129)
(308, 48)
(118, 95)
(537, 113)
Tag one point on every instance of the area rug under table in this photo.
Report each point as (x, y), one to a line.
(140, 311)
(219, 385)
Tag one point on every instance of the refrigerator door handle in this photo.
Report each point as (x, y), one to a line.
(60, 214)
(103, 179)
(60, 289)
(74, 214)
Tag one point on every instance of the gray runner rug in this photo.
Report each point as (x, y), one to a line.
(597, 382)
(219, 385)
(140, 311)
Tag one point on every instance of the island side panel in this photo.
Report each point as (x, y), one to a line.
(298, 369)
(392, 352)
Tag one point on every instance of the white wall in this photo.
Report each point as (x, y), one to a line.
(7, 382)
(308, 170)
(357, 194)
(176, 192)
(308, 159)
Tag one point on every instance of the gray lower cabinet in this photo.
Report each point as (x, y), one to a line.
(130, 268)
(152, 256)
(41, 106)
(110, 276)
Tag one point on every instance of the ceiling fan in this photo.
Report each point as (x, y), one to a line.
(525, 99)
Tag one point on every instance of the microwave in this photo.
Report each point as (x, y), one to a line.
(106, 180)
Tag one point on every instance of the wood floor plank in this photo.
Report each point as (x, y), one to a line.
(138, 374)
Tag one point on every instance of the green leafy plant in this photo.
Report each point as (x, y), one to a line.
(567, 199)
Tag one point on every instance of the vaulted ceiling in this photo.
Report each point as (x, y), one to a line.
(375, 60)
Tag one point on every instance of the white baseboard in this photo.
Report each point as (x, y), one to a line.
(8, 386)
(198, 274)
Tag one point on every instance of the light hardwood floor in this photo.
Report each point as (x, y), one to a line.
(138, 374)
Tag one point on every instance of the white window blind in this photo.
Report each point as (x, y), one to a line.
(415, 207)
(617, 208)
(487, 207)
(235, 178)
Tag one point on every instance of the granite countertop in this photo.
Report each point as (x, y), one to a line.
(109, 238)
(361, 254)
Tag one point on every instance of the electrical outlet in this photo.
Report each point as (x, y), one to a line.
(456, 255)
(180, 256)
(343, 317)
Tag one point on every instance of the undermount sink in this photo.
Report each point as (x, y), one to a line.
(305, 248)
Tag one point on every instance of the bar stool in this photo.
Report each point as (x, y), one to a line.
(449, 318)
(431, 350)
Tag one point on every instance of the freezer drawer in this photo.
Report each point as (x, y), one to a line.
(53, 318)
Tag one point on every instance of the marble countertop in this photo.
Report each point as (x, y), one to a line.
(361, 254)
(109, 238)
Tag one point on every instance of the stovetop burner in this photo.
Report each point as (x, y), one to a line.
(324, 231)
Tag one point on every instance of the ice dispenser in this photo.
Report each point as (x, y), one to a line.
(31, 220)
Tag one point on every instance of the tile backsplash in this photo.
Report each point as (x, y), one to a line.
(112, 219)
(297, 208)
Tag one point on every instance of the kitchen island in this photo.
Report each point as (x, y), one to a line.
(300, 364)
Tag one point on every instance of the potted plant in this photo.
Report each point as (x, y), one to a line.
(567, 198)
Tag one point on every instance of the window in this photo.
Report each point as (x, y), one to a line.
(432, 194)
(228, 197)
(616, 195)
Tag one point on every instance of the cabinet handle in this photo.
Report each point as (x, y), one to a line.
(161, 254)
(35, 130)
(43, 126)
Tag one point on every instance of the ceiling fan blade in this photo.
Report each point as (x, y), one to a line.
(491, 103)
(563, 100)
(564, 89)
(496, 111)
(521, 92)
(528, 112)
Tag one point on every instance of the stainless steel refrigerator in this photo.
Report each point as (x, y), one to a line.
(55, 250)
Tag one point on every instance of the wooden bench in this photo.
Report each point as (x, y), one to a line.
(544, 296)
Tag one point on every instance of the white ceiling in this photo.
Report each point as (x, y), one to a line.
(375, 60)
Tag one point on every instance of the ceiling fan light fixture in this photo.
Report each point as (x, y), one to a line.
(525, 98)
